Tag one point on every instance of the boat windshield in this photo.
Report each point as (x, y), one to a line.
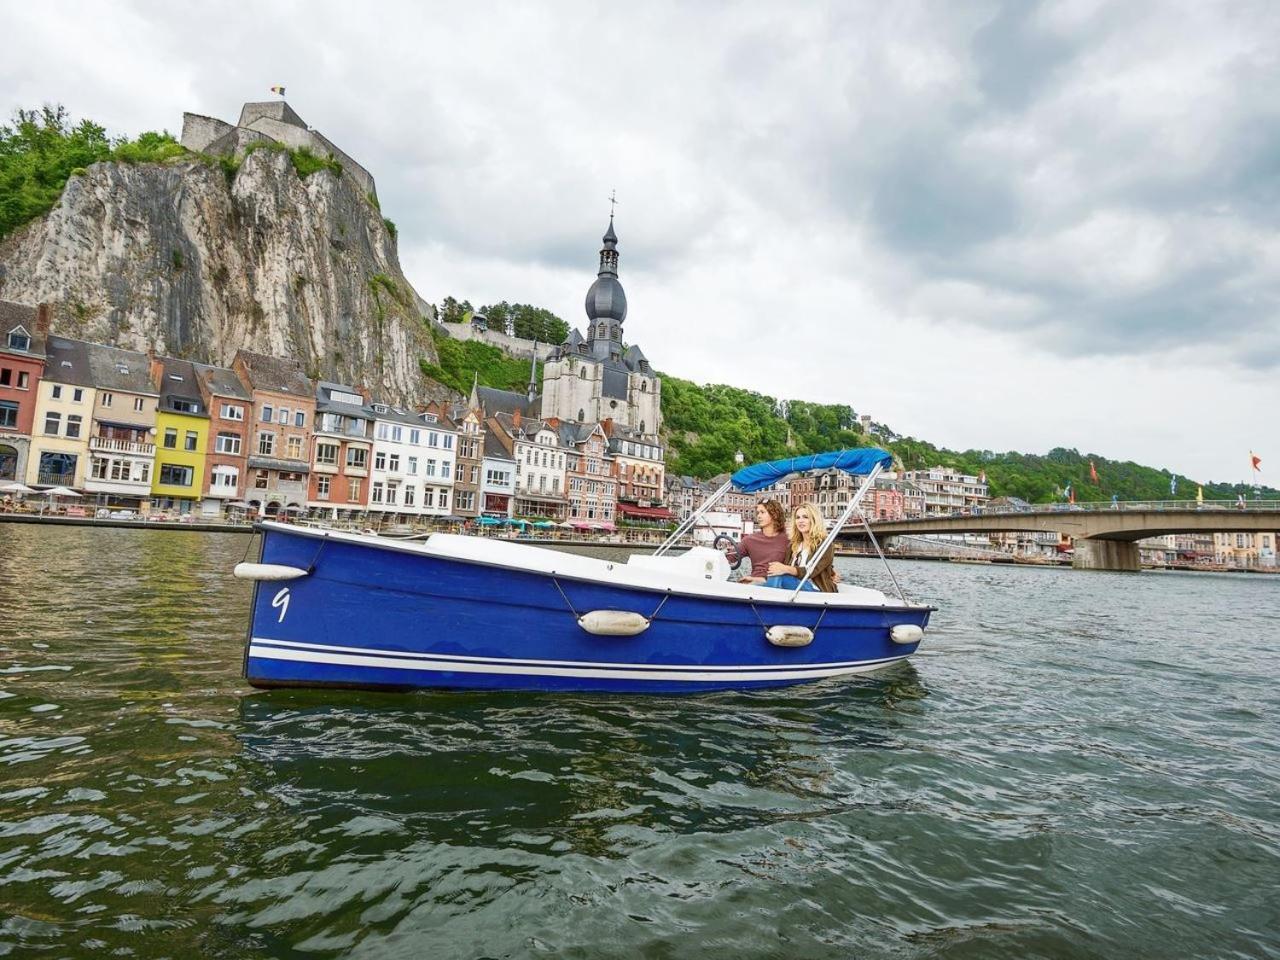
(860, 461)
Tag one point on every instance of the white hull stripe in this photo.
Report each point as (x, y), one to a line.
(260, 643)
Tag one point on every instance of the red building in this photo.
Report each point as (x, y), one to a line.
(22, 357)
(341, 452)
(230, 406)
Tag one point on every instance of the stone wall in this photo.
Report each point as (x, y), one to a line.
(266, 123)
(198, 132)
(513, 346)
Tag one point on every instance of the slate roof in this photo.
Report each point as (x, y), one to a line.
(111, 368)
(396, 414)
(276, 375)
(68, 362)
(19, 315)
(494, 401)
(185, 388)
(222, 382)
(493, 448)
(573, 433)
(326, 404)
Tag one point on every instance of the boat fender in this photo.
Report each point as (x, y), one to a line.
(613, 623)
(906, 633)
(781, 636)
(267, 571)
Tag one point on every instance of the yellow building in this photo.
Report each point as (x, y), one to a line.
(59, 454)
(182, 437)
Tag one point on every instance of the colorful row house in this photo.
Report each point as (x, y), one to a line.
(122, 438)
(497, 478)
(413, 463)
(22, 360)
(342, 452)
(540, 462)
(283, 412)
(182, 437)
(59, 454)
(230, 407)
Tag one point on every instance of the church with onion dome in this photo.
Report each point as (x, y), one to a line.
(595, 377)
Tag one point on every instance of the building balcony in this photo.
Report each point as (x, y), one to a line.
(52, 478)
(108, 445)
(318, 467)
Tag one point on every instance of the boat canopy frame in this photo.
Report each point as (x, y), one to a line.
(757, 477)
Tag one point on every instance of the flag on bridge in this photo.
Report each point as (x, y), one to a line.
(1069, 494)
(1173, 486)
(1199, 494)
(982, 476)
(1093, 472)
(278, 90)
(1256, 461)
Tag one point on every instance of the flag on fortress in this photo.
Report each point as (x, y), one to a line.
(1256, 461)
(1093, 472)
(982, 476)
(279, 90)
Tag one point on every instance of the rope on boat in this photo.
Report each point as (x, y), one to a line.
(316, 559)
(620, 623)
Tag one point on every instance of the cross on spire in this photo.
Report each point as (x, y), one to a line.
(613, 201)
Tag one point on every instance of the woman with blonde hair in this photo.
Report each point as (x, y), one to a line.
(808, 530)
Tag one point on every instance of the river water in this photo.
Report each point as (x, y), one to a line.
(1075, 765)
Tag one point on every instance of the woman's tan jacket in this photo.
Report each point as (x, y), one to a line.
(824, 570)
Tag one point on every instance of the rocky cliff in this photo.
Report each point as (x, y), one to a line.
(198, 259)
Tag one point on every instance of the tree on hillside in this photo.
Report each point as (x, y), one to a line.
(42, 149)
(526, 321)
(451, 311)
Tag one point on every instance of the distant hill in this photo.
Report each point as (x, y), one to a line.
(704, 425)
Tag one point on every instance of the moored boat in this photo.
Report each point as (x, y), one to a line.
(343, 609)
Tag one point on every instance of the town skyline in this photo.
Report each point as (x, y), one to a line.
(981, 245)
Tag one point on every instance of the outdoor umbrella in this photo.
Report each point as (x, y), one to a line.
(60, 492)
(489, 522)
(13, 486)
(544, 524)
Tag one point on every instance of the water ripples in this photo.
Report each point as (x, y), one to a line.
(1075, 766)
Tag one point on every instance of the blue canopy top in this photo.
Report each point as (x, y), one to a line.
(761, 475)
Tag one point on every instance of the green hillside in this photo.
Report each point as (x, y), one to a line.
(706, 424)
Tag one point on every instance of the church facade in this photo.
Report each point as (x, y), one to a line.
(595, 378)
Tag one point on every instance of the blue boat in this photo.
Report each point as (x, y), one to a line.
(342, 609)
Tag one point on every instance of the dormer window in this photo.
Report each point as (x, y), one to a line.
(381, 408)
(430, 418)
(19, 339)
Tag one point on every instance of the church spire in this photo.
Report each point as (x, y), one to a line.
(533, 374)
(609, 252)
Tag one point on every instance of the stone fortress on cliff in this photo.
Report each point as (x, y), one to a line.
(272, 121)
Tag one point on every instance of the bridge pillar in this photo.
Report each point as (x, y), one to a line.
(1106, 555)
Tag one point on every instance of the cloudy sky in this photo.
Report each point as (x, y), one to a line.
(993, 225)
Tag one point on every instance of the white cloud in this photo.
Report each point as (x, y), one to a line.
(993, 225)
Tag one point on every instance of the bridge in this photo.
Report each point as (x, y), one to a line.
(1105, 534)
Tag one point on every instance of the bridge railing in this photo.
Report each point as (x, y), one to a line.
(1102, 506)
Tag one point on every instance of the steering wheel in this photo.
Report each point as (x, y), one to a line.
(724, 543)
